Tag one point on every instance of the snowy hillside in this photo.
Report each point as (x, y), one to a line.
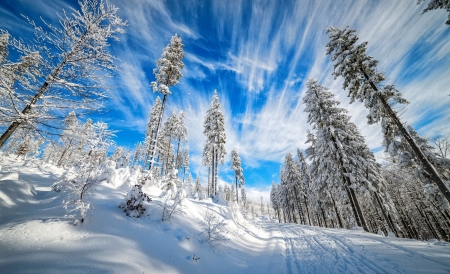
(36, 236)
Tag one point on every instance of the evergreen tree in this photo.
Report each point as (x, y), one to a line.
(438, 4)
(274, 200)
(214, 129)
(167, 73)
(238, 172)
(338, 153)
(362, 79)
(150, 133)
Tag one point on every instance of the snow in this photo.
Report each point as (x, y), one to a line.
(37, 236)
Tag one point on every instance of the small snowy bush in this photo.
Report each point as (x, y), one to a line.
(133, 205)
(213, 229)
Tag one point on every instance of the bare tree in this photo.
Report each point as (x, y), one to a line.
(71, 61)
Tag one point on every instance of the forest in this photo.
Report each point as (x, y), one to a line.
(50, 85)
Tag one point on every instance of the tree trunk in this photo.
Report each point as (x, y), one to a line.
(429, 168)
(216, 174)
(237, 192)
(209, 181)
(383, 211)
(213, 172)
(337, 213)
(155, 142)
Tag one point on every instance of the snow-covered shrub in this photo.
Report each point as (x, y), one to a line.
(170, 209)
(213, 229)
(133, 205)
(169, 184)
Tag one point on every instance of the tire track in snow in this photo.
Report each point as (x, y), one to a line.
(347, 249)
(412, 252)
(291, 256)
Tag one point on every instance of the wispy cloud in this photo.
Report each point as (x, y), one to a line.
(258, 54)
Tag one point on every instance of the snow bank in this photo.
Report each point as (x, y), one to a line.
(14, 191)
(10, 176)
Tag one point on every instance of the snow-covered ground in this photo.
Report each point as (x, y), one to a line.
(36, 236)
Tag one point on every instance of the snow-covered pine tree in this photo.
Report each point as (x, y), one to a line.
(167, 73)
(74, 58)
(305, 182)
(295, 187)
(185, 162)
(180, 135)
(238, 172)
(243, 196)
(438, 4)
(274, 200)
(214, 129)
(198, 188)
(362, 79)
(150, 133)
(337, 151)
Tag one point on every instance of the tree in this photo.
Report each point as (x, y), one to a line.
(214, 129)
(243, 196)
(274, 200)
(339, 152)
(167, 73)
(74, 59)
(238, 172)
(185, 162)
(362, 79)
(438, 4)
(150, 133)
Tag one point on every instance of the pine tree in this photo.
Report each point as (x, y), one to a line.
(336, 153)
(214, 129)
(438, 4)
(274, 200)
(70, 60)
(238, 172)
(150, 133)
(243, 196)
(362, 80)
(167, 74)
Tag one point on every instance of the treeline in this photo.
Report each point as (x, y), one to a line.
(343, 186)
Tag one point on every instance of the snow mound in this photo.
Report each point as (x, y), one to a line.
(14, 192)
(10, 176)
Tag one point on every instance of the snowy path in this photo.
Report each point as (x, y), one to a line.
(318, 250)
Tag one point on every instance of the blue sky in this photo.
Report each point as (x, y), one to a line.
(258, 55)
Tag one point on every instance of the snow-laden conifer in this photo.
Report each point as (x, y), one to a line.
(438, 4)
(150, 132)
(214, 129)
(339, 154)
(238, 171)
(167, 73)
(363, 81)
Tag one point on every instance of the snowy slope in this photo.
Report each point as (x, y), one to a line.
(37, 237)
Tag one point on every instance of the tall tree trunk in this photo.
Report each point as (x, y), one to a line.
(213, 171)
(216, 174)
(383, 211)
(155, 143)
(178, 150)
(209, 181)
(337, 213)
(307, 210)
(237, 192)
(429, 168)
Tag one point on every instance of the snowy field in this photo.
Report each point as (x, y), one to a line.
(36, 236)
